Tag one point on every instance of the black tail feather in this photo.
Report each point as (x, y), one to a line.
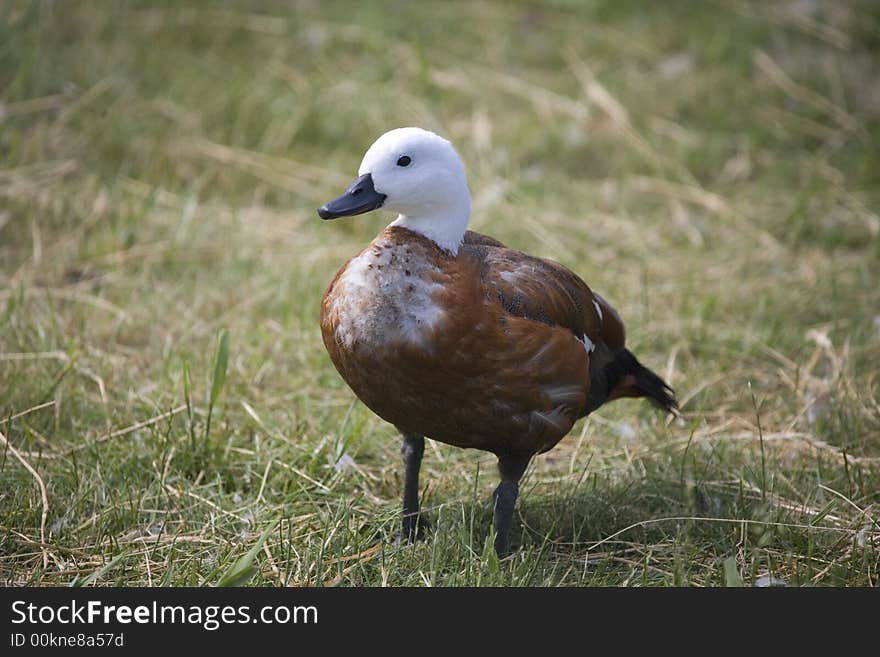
(646, 382)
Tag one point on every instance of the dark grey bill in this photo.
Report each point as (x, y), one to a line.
(359, 198)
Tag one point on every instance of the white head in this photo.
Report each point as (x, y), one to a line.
(417, 174)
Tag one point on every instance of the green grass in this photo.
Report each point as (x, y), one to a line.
(713, 169)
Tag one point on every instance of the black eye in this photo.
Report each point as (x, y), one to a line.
(404, 160)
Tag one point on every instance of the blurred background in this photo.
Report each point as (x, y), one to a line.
(166, 404)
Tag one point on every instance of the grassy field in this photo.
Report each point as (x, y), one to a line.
(168, 412)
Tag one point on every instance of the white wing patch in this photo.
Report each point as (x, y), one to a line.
(598, 309)
(508, 277)
(588, 344)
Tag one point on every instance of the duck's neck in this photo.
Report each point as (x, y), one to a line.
(446, 227)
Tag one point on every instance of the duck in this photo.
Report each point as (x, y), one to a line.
(448, 334)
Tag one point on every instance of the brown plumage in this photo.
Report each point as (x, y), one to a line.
(501, 369)
(485, 347)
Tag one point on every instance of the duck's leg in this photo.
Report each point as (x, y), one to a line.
(414, 525)
(511, 469)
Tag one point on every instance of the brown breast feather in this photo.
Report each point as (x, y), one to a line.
(504, 370)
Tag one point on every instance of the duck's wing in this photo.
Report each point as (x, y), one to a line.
(547, 292)
(474, 238)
